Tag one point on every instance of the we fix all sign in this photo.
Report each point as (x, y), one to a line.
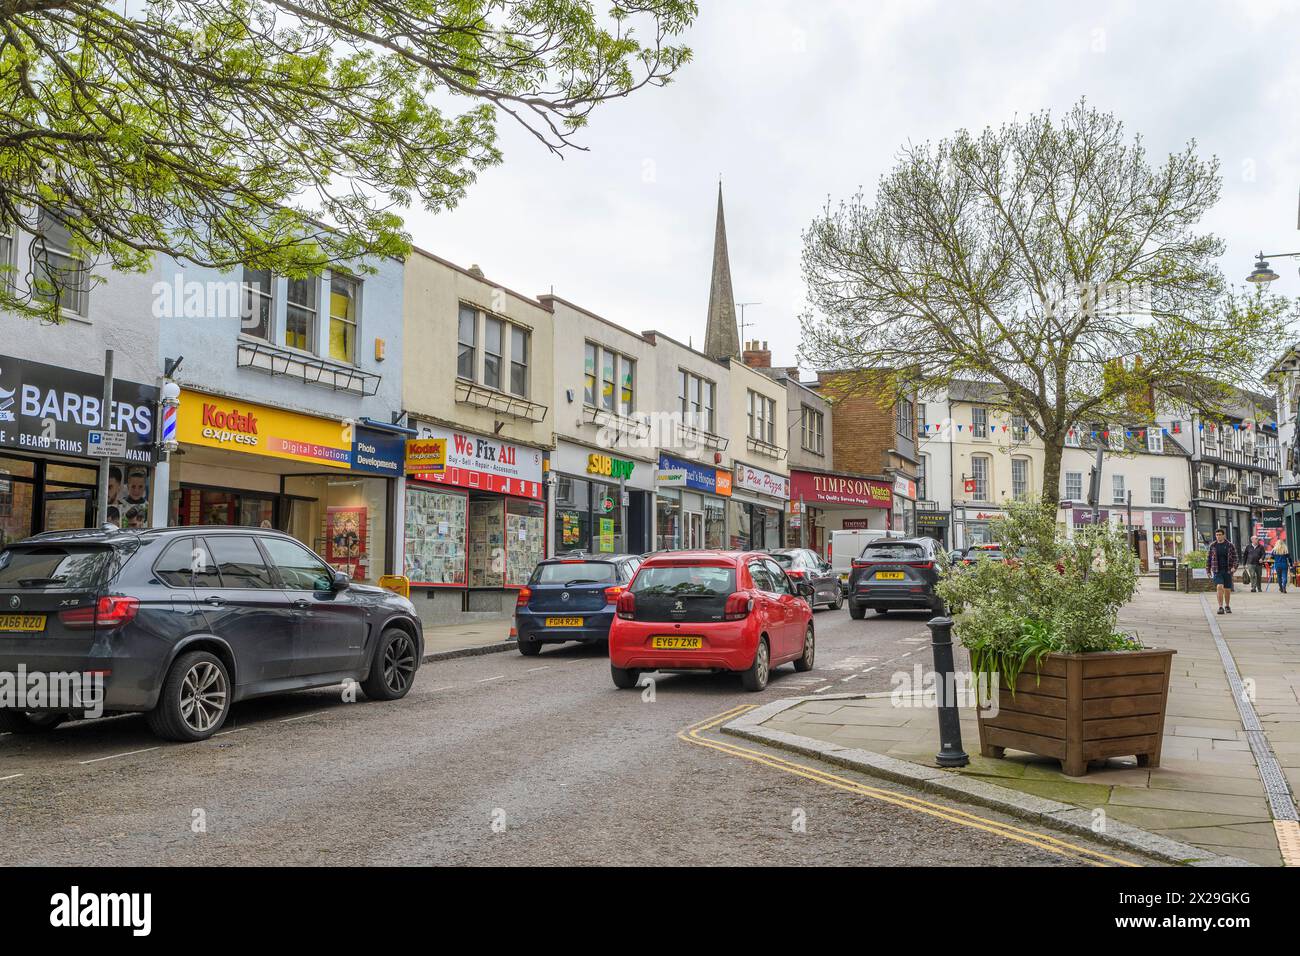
(482, 463)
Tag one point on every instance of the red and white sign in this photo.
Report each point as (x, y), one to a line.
(486, 464)
(904, 487)
(764, 482)
(841, 490)
(969, 486)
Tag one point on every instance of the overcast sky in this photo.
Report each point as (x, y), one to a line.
(794, 102)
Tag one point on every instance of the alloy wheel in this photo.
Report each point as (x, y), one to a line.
(761, 663)
(809, 647)
(399, 663)
(203, 697)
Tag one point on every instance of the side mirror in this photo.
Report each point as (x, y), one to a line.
(340, 581)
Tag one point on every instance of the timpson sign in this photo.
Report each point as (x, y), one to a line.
(841, 490)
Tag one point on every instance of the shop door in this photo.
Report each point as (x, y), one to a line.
(694, 529)
(70, 509)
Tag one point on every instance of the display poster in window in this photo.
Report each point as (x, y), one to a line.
(607, 535)
(345, 538)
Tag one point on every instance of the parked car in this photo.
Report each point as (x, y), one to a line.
(803, 566)
(845, 545)
(184, 622)
(571, 599)
(714, 611)
(896, 574)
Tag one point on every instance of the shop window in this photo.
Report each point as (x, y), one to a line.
(435, 532)
(668, 518)
(493, 343)
(525, 539)
(467, 351)
(258, 300)
(299, 569)
(715, 523)
(519, 343)
(58, 272)
(238, 561)
(300, 313)
(343, 318)
(343, 518)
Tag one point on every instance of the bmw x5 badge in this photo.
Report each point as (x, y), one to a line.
(15, 601)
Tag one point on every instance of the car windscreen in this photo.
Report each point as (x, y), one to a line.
(682, 579)
(892, 551)
(570, 573)
(55, 567)
(786, 560)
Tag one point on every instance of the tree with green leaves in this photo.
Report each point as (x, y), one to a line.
(1050, 259)
(287, 134)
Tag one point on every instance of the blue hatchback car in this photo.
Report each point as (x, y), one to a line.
(571, 598)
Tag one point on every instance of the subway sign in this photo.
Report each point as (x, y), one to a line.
(609, 467)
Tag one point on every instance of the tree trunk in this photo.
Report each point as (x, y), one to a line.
(1054, 449)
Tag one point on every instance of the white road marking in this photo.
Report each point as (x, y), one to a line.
(820, 689)
(314, 713)
(444, 687)
(484, 680)
(850, 677)
(225, 732)
(12, 776)
(542, 668)
(129, 753)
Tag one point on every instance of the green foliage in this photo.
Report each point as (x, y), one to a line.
(1058, 595)
(1198, 559)
(289, 136)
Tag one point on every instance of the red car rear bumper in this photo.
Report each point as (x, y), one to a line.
(728, 646)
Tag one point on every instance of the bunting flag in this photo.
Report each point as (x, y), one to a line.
(958, 428)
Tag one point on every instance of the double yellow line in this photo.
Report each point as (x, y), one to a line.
(1042, 841)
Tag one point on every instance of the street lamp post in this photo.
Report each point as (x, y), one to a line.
(1263, 273)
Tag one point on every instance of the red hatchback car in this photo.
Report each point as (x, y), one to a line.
(714, 611)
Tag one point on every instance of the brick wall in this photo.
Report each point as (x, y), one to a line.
(863, 430)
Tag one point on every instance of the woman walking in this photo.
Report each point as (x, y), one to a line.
(1281, 563)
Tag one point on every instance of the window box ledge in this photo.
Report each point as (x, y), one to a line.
(480, 396)
(278, 360)
(761, 447)
(630, 426)
(689, 434)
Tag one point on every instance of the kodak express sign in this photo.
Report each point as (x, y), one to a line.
(233, 425)
(426, 455)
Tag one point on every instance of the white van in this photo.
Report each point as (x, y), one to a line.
(844, 546)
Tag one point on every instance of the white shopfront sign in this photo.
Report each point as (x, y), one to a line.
(487, 464)
(762, 482)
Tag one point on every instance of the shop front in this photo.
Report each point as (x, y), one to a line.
(1168, 537)
(602, 501)
(903, 513)
(48, 478)
(474, 522)
(758, 504)
(690, 505)
(838, 502)
(932, 523)
(977, 525)
(330, 484)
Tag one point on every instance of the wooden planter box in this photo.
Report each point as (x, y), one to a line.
(1082, 707)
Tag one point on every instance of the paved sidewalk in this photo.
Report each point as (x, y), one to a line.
(1207, 790)
(478, 637)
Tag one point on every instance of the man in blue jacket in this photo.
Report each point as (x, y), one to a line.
(1220, 564)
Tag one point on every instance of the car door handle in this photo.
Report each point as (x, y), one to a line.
(214, 600)
(302, 604)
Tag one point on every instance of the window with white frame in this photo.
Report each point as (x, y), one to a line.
(467, 344)
(610, 379)
(762, 417)
(1155, 440)
(696, 396)
(1157, 490)
(59, 273)
(1019, 428)
(493, 352)
(1207, 475)
(520, 342)
(344, 292)
(921, 422)
(7, 245)
(493, 349)
(1237, 440)
(301, 313)
(1117, 489)
(258, 300)
(979, 471)
(1074, 486)
(1020, 478)
(979, 422)
(812, 425)
(922, 469)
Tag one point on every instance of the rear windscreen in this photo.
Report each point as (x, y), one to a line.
(55, 567)
(785, 560)
(577, 572)
(685, 579)
(893, 551)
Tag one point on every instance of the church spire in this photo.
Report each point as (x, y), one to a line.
(720, 338)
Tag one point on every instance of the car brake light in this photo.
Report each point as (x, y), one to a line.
(794, 573)
(861, 564)
(612, 593)
(737, 607)
(923, 565)
(523, 597)
(111, 610)
(626, 607)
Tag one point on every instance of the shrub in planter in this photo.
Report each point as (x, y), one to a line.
(1070, 685)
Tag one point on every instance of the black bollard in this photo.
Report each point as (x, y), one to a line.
(950, 751)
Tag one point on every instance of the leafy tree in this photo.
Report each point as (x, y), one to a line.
(1049, 258)
(286, 134)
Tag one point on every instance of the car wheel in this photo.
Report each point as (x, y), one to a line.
(529, 648)
(393, 671)
(194, 701)
(839, 601)
(756, 677)
(625, 678)
(856, 612)
(27, 722)
(805, 663)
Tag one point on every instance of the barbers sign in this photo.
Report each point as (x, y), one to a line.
(47, 409)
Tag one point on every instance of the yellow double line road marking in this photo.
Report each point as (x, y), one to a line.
(1051, 844)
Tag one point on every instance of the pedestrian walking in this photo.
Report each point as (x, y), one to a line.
(1221, 563)
(1253, 557)
(1281, 563)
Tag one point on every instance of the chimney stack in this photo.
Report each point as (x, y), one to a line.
(757, 355)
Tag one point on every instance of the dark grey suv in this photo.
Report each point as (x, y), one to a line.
(183, 622)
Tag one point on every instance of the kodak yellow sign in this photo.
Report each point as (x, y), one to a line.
(234, 425)
(426, 455)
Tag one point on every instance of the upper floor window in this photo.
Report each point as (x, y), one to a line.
(920, 418)
(258, 298)
(1117, 489)
(1157, 490)
(343, 318)
(922, 468)
(519, 347)
(58, 272)
(610, 381)
(1155, 440)
(1019, 428)
(903, 421)
(6, 254)
(1237, 440)
(696, 396)
(300, 313)
(1074, 486)
(467, 347)
(979, 422)
(812, 425)
(1072, 437)
(1020, 478)
(762, 418)
(979, 472)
